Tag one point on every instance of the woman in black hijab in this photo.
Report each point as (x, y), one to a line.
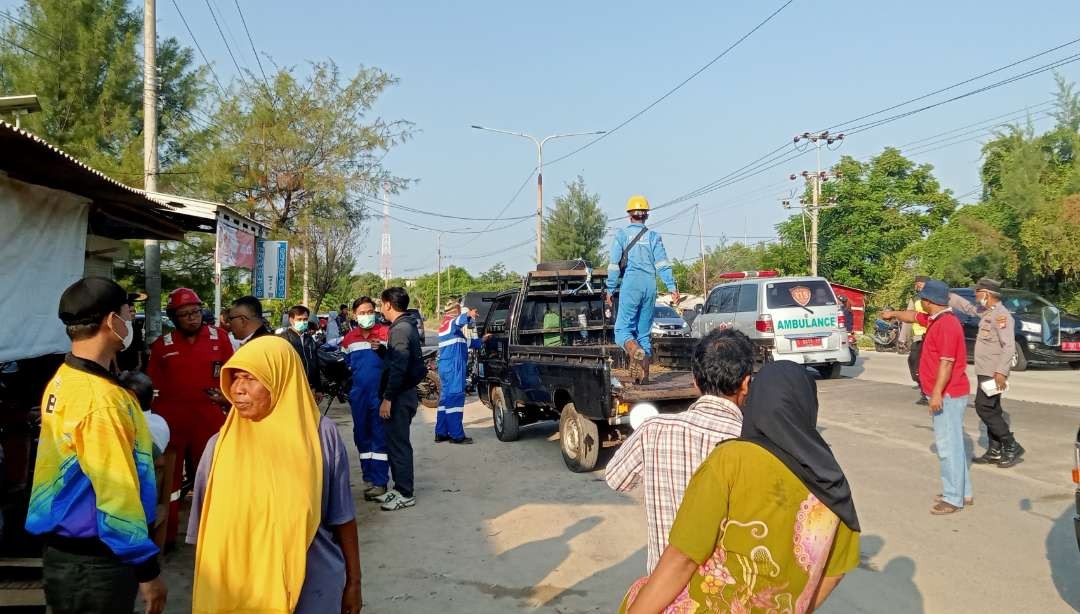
(767, 521)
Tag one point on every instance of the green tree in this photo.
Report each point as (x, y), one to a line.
(575, 226)
(496, 278)
(884, 206)
(81, 57)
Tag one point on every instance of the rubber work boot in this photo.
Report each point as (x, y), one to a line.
(1011, 453)
(637, 357)
(992, 455)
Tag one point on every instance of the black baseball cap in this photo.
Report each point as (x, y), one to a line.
(90, 299)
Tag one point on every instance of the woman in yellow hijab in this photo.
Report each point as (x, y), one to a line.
(272, 516)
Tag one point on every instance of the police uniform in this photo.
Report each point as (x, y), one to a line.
(182, 371)
(995, 347)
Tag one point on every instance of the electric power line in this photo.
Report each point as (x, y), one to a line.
(213, 15)
(199, 47)
(512, 198)
(394, 205)
(25, 49)
(671, 91)
(252, 42)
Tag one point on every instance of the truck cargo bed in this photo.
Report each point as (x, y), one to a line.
(664, 385)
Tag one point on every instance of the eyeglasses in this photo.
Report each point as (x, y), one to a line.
(191, 313)
(240, 317)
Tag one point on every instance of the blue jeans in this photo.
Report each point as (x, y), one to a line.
(949, 436)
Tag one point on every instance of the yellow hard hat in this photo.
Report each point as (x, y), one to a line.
(637, 203)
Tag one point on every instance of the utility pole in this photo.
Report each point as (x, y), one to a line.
(385, 268)
(814, 182)
(701, 245)
(438, 275)
(152, 258)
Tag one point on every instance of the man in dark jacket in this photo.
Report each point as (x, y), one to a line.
(403, 368)
(246, 320)
(305, 346)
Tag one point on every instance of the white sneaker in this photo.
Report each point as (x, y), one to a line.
(393, 501)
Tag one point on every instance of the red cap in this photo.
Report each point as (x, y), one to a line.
(182, 296)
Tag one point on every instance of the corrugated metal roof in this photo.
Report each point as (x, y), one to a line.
(202, 215)
(118, 210)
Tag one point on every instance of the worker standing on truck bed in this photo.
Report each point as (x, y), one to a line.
(640, 256)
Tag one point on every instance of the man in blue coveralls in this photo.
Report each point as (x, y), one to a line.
(365, 345)
(637, 257)
(453, 363)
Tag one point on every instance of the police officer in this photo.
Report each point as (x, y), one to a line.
(994, 350)
(640, 256)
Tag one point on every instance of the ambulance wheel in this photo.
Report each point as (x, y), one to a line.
(429, 390)
(579, 439)
(504, 418)
(830, 371)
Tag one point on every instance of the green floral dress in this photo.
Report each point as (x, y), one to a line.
(761, 540)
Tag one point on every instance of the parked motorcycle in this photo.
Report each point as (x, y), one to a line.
(430, 389)
(335, 373)
(886, 335)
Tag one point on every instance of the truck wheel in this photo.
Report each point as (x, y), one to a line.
(1020, 360)
(579, 439)
(504, 418)
(429, 390)
(830, 371)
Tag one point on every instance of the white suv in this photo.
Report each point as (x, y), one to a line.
(787, 318)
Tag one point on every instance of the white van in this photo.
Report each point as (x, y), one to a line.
(787, 318)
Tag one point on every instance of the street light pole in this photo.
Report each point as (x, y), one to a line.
(539, 176)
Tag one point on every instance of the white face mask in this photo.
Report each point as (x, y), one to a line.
(129, 335)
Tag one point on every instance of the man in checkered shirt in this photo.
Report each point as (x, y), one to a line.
(666, 450)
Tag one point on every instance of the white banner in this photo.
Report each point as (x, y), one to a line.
(271, 269)
(43, 242)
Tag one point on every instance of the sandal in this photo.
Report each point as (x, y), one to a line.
(967, 500)
(943, 508)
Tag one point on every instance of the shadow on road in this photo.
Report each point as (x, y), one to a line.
(1064, 560)
(874, 588)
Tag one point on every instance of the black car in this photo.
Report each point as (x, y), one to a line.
(1045, 334)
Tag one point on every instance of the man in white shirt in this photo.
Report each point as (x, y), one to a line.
(666, 450)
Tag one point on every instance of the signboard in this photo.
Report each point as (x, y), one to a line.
(236, 248)
(271, 268)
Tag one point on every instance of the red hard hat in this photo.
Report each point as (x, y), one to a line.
(182, 296)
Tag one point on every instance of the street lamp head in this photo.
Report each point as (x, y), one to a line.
(477, 127)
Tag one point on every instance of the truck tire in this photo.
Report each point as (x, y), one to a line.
(429, 390)
(503, 417)
(560, 265)
(1020, 359)
(829, 371)
(579, 439)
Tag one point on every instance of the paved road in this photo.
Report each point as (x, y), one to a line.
(1057, 386)
(505, 527)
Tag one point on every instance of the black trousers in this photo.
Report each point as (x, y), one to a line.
(398, 444)
(87, 583)
(989, 410)
(913, 358)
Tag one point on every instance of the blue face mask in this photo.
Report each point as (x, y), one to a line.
(300, 326)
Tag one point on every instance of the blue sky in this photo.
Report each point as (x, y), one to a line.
(572, 66)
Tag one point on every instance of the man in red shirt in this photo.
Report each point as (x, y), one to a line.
(943, 378)
(185, 366)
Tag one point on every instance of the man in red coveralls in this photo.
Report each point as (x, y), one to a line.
(185, 366)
